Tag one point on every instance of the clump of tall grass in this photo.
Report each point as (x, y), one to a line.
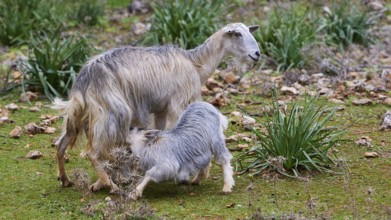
(344, 24)
(86, 12)
(294, 141)
(54, 62)
(19, 18)
(284, 36)
(186, 23)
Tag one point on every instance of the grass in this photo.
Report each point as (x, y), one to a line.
(30, 189)
(285, 34)
(176, 22)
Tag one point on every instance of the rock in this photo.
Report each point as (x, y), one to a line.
(138, 7)
(219, 100)
(375, 5)
(16, 132)
(5, 119)
(28, 96)
(326, 92)
(212, 83)
(32, 128)
(289, 90)
(12, 107)
(315, 77)
(364, 101)
(364, 141)
(247, 120)
(386, 123)
(34, 109)
(336, 101)
(229, 77)
(50, 130)
(371, 154)
(242, 146)
(204, 90)
(236, 114)
(387, 101)
(140, 28)
(34, 154)
(304, 79)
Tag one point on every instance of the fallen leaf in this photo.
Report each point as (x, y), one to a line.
(16, 132)
(34, 154)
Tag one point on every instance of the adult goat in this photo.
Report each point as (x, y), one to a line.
(124, 87)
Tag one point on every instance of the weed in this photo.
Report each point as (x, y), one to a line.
(54, 62)
(19, 18)
(294, 141)
(187, 23)
(345, 24)
(87, 12)
(285, 35)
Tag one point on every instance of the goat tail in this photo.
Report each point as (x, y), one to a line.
(223, 122)
(73, 117)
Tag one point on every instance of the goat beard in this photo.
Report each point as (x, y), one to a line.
(242, 64)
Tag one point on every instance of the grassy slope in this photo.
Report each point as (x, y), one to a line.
(29, 188)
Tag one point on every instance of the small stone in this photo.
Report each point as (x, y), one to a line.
(50, 130)
(12, 107)
(242, 146)
(16, 132)
(371, 154)
(247, 120)
(336, 101)
(140, 28)
(364, 101)
(212, 83)
(376, 5)
(28, 96)
(236, 114)
(364, 141)
(387, 101)
(32, 128)
(386, 122)
(230, 205)
(34, 109)
(289, 90)
(5, 119)
(229, 77)
(34, 154)
(219, 100)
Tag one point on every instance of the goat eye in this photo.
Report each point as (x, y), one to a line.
(238, 34)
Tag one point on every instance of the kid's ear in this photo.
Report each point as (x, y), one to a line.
(253, 28)
(151, 136)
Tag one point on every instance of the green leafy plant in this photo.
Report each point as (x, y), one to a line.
(297, 140)
(19, 18)
(345, 24)
(54, 62)
(86, 12)
(187, 23)
(285, 35)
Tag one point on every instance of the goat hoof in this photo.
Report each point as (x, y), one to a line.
(184, 182)
(196, 183)
(96, 186)
(65, 181)
(134, 195)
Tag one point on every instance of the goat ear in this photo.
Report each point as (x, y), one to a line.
(253, 28)
(151, 136)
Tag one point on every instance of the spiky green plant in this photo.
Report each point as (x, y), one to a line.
(20, 18)
(298, 140)
(187, 23)
(284, 36)
(86, 12)
(344, 24)
(54, 62)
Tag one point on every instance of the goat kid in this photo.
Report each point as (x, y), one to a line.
(185, 150)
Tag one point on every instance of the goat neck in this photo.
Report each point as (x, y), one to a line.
(208, 56)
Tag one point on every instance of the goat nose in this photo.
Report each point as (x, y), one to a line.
(257, 53)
